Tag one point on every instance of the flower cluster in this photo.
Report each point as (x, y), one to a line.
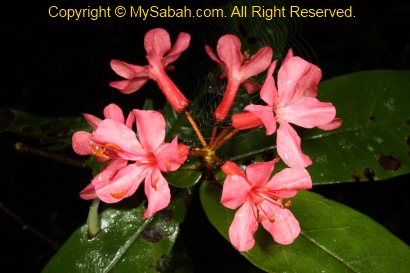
(261, 197)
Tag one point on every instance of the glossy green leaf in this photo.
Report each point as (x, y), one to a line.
(125, 243)
(187, 175)
(334, 238)
(372, 144)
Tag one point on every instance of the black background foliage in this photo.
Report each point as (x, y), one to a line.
(60, 68)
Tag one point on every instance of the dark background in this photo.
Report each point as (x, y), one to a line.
(58, 68)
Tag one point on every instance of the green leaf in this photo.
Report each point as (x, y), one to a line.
(372, 144)
(334, 238)
(187, 176)
(125, 243)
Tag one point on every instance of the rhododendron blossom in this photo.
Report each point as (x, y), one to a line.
(291, 100)
(149, 156)
(260, 196)
(85, 144)
(237, 69)
(261, 200)
(159, 55)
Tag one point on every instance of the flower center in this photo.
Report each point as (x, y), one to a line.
(106, 151)
(263, 197)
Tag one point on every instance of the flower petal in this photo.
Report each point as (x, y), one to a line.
(259, 173)
(81, 143)
(156, 43)
(88, 192)
(112, 111)
(334, 124)
(157, 192)
(285, 229)
(257, 63)
(108, 171)
(124, 184)
(167, 156)
(151, 128)
(307, 112)
(290, 180)
(265, 114)
(120, 138)
(129, 86)
(288, 147)
(180, 45)
(235, 190)
(289, 76)
(127, 70)
(243, 227)
(269, 92)
(212, 55)
(230, 168)
(229, 52)
(130, 120)
(92, 120)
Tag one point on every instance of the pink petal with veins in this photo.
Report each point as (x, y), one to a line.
(257, 63)
(156, 42)
(235, 191)
(288, 147)
(92, 120)
(151, 128)
(229, 52)
(259, 173)
(307, 112)
(180, 45)
(243, 227)
(291, 179)
(167, 156)
(129, 86)
(127, 70)
(285, 229)
(289, 75)
(112, 111)
(265, 114)
(269, 92)
(334, 124)
(124, 184)
(157, 192)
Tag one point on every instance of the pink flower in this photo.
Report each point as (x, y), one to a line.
(261, 200)
(157, 43)
(291, 100)
(83, 142)
(150, 154)
(236, 69)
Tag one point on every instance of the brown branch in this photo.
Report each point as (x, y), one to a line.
(21, 147)
(26, 227)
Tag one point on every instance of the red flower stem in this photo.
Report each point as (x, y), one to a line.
(219, 137)
(225, 139)
(213, 135)
(196, 129)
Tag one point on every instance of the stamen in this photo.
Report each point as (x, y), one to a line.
(120, 194)
(154, 184)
